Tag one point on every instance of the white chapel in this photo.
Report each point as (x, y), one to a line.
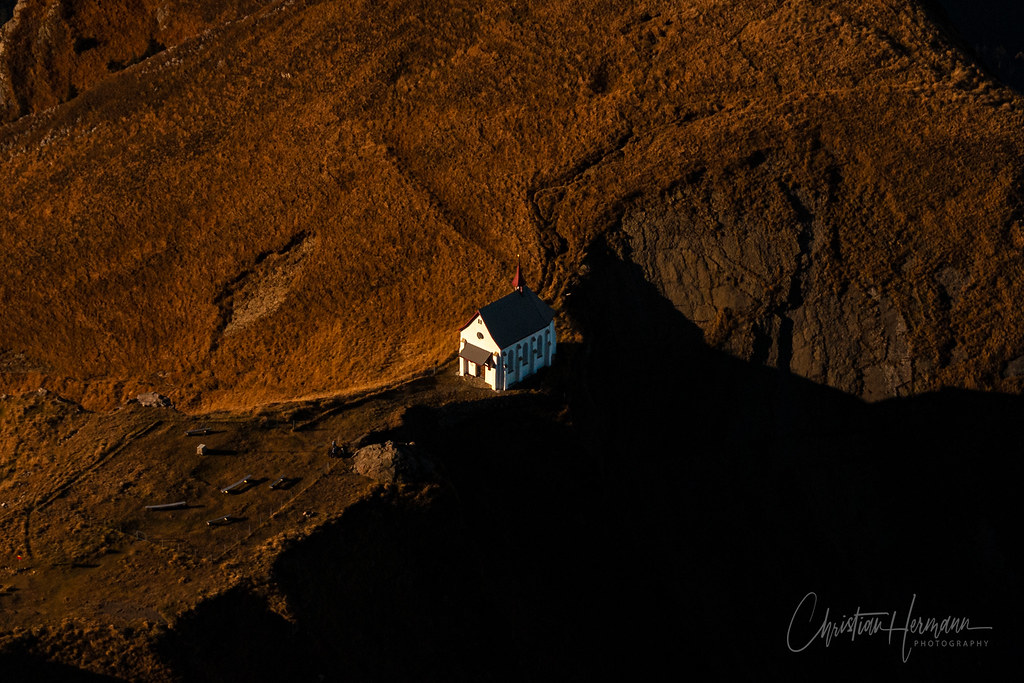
(510, 339)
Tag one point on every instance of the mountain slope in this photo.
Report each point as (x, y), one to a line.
(309, 199)
(54, 49)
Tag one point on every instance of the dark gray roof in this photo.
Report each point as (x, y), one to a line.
(515, 316)
(475, 354)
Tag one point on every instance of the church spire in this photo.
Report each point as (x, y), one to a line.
(518, 282)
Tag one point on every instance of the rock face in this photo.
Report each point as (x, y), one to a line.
(764, 282)
(780, 259)
(389, 462)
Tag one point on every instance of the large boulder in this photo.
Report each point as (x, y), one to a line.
(391, 462)
(151, 399)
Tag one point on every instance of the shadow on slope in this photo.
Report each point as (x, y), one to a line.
(234, 636)
(385, 592)
(22, 667)
(990, 30)
(6, 10)
(671, 517)
(746, 488)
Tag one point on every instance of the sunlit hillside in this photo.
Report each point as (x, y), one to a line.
(307, 199)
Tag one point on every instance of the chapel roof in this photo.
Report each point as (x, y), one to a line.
(515, 316)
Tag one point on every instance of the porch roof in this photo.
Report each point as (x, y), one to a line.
(475, 354)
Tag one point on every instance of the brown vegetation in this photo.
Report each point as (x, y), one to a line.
(416, 149)
(52, 49)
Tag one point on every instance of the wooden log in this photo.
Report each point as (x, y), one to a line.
(168, 506)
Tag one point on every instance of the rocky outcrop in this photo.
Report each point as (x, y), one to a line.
(758, 274)
(390, 462)
(806, 257)
(52, 50)
(151, 399)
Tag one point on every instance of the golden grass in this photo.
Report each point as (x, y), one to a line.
(418, 149)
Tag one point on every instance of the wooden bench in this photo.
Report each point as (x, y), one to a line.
(221, 521)
(244, 481)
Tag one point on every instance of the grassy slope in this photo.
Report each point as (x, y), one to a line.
(54, 50)
(410, 152)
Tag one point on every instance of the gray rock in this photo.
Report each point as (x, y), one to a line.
(1015, 368)
(757, 273)
(151, 399)
(390, 462)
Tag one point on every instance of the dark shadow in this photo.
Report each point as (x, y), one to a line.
(733, 490)
(388, 592)
(226, 520)
(220, 451)
(27, 667)
(234, 637)
(153, 47)
(201, 431)
(6, 10)
(668, 519)
(675, 517)
(990, 31)
(84, 44)
(527, 493)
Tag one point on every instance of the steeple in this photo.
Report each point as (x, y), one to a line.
(518, 282)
